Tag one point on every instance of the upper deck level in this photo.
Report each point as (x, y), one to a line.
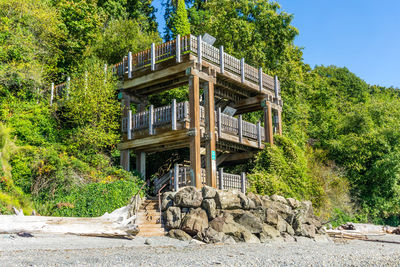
(166, 66)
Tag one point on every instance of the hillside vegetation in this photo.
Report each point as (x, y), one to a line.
(341, 141)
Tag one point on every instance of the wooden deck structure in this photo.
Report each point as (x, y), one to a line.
(200, 123)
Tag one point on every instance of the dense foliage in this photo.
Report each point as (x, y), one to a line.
(341, 144)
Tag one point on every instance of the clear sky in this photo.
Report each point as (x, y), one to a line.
(362, 35)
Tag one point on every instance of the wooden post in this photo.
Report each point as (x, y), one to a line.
(125, 159)
(243, 182)
(151, 119)
(260, 79)
(268, 124)
(221, 178)
(276, 88)
(129, 125)
(178, 48)
(199, 50)
(219, 122)
(259, 134)
(176, 177)
(240, 128)
(211, 157)
(52, 94)
(141, 163)
(221, 58)
(195, 162)
(130, 65)
(173, 114)
(153, 56)
(242, 69)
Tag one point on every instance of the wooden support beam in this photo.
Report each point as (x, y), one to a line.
(260, 79)
(219, 122)
(243, 182)
(125, 159)
(194, 104)
(176, 177)
(259, 141)
(129, 125)
(268, 124)
(141, 164)
(211, 165)
(52, 94)
(199, 50)
(151, 119)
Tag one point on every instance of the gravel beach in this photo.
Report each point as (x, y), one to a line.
(53, 250)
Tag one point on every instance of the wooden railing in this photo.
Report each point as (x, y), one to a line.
(180, 177)
(189, 43)
(177, 112)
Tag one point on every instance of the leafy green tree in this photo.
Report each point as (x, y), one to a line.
(92, 110)
(111, 47)
(29, 45)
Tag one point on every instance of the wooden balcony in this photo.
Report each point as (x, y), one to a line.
(168, 127)
(166, 66)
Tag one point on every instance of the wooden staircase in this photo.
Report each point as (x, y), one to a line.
(149, 220)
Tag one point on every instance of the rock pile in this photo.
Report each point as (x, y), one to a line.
(229, 216)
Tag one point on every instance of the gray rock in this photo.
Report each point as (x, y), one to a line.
(270, 232)
(246, 202)
(188, 197)
(278, 198)
(255, 198)
(225, 224)
(196, 242)
(208, 192)
(245, 236)
(281, 225)
(195, 221)
(167, 200)
(293, 203)
(228, 240)
(210, 207)
(179, 234)
(173, 218)
(209, 235)
(148, 242)
(271, 216)
(228, 199)
(289, 230)
(250, 222)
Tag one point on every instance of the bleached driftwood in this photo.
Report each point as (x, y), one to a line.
(119, 223)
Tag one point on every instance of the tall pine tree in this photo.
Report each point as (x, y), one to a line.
(177, 21)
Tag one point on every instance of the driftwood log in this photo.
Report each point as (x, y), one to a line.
(119, 223)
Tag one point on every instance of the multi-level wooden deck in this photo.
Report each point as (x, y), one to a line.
(199, 124)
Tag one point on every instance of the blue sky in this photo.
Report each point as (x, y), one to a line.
(363, 36)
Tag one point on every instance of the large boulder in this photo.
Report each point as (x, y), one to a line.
(167, 200)
(245, 236)
(282, 209)
(255, 198)
(278, 198)
(209, 235)
(210, 207)
(250, 222)
(173, 218)
(293, 203)
(179, 234)
(225, 224)
(208, 192)
(228, 199)
(188, 197)
(271, 216)
(246, 202)
(195, 221)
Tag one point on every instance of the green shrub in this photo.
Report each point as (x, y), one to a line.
(94, 199)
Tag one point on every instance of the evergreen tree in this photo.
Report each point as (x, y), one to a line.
(177, 21)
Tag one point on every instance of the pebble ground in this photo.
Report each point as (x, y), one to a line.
(53, 250)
